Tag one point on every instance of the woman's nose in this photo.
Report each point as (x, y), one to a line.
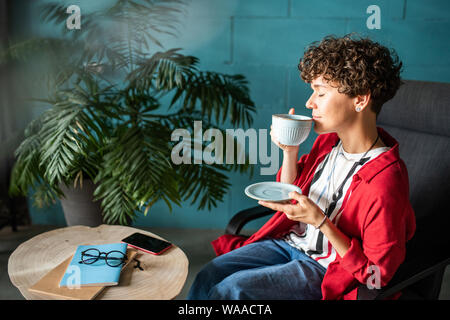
(309, 104)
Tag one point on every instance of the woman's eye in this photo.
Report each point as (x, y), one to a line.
(321, 95)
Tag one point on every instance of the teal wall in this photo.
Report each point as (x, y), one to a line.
(264, 39)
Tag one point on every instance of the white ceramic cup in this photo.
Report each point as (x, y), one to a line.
(291, 129)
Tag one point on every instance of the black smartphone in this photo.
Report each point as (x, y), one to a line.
(147, 243)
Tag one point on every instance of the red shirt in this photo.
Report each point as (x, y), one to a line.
(376, 215)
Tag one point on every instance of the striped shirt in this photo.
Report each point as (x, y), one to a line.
(335, 171)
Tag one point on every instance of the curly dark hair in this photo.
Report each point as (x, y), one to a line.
(358, 65)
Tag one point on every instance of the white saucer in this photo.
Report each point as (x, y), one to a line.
(271, 191)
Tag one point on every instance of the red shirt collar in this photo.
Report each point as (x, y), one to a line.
(372, 168)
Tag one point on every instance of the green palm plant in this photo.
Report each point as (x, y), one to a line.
(107, 120)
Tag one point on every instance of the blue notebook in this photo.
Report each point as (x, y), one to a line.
(98, 273)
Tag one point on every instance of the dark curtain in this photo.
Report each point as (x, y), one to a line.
(13, 210)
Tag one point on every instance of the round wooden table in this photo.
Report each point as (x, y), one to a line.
(162, 277)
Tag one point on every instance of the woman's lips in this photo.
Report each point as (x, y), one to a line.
(316, 117)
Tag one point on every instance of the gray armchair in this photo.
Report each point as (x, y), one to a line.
(419, 118)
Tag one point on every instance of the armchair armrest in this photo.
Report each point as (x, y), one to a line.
(406, 277)
(243, 217)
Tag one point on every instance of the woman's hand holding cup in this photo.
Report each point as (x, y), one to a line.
(283, 147)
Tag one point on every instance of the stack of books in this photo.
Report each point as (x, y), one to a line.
(84, 276)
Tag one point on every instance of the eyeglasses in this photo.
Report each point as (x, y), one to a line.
(112, 258)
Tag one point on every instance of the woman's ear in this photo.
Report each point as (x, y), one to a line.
(360, 102)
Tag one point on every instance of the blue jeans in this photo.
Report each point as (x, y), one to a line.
(264, 270)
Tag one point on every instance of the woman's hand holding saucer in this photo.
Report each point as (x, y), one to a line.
(305, 210)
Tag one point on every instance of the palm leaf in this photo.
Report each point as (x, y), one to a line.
(138, 162)
(203, 183)
(163, 70)
(218, 94)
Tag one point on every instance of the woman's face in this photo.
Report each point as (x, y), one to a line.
(331, 111)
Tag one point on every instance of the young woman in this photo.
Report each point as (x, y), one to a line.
(350, 225)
